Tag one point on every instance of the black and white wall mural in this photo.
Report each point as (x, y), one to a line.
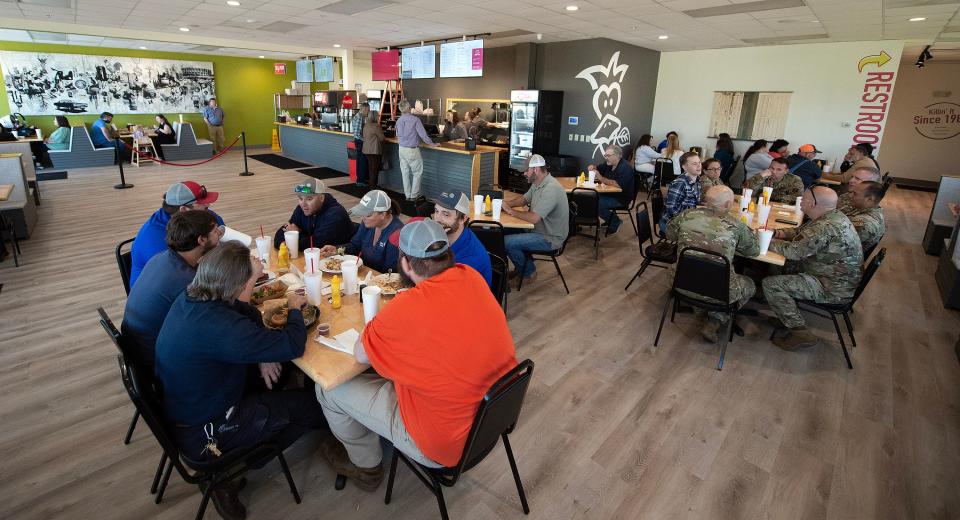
(56, 84)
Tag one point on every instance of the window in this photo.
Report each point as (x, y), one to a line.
(750, 115)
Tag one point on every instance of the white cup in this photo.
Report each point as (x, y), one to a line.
(765, 236)
(763, 213)
(749, 218)
(349, 270)
(797, 207)
(263, 248)
(371, 302)
(827, 167)
(591, 176)
(767, 193)
(311, 260)
(313, 283)
(292, 238)
(39, 134)
(497, 207)
(477, 204)
(745, 198)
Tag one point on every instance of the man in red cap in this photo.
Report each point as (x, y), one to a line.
(801, 164)
(151, 239)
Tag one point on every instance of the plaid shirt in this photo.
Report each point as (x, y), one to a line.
(681, 194)
(357, 123)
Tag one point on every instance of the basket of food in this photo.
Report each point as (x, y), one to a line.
(268, 291)
(389, 283)
(275, 317)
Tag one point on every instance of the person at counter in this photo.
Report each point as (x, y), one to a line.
(372, 241)
(318, 215)
(410, 133)
(373, 147)
(357, 123)
(452, 129)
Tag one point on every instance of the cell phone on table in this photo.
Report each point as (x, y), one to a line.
(785, 221)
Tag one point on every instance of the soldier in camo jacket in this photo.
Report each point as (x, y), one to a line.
(786, 186)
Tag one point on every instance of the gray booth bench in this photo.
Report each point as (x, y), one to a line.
(188, 147)
(81, 153)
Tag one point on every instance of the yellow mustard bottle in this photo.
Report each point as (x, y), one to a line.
(581, 179)
(487, 204)
(753, 207)
(283, 257)
(335, 291)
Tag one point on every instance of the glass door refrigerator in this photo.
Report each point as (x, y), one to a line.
(534, 125)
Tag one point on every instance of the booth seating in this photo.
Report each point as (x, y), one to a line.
(81, 153)
(188, 147)
(19, 208)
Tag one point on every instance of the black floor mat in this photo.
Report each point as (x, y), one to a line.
(50, 175)
(407, 208)
(323, 173)
(278, 161)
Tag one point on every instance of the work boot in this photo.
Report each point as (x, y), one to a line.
(711, 330)
(796, 338)
(367, 479)
(227, 502)
(779, 329)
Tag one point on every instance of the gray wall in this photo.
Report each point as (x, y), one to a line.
(499, 78)
(557, 67)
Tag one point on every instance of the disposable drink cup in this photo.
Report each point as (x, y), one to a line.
(39, 134)
(745, 198)
(767, 193)
(766, 235)
(371, 302)
(349, 270)
(591, 176)
(827, 167)
(477, 204)
(311, 259)
(292, 238)
(749, 218)
(314, 286)
(263, 248)
(797, 207)
(763, 213)
(497, 207)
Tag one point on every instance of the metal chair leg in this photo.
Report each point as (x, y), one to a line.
(676, 305)
(663, 318)
(643, 267)
(286, 473)
(204, 501)
(562, 279)
(340, 482)
(438, 491)
(843, 345)
(156, 476)
(727, 338)
(523, 270)
(133, 424)
(392, 476)
(846, 318)
(516, 474)
(163, 483)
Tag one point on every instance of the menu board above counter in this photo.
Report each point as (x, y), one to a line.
(304, 71)
(461, 59)
(419, 62)
(323, 69)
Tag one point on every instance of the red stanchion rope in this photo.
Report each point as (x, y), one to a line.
(225, 150)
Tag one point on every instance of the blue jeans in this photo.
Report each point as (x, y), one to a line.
(517, 246)
(607, 204)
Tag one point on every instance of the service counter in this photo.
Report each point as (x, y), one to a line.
(445, 167)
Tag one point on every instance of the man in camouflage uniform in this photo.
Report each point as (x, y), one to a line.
(714, 228)
(866, 215)
(829, 255)
(861, 174)
(711, 175)
(786, 186)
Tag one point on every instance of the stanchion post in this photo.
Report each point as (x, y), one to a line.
(246, 171)
(118, 157)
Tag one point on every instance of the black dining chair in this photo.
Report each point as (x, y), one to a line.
(125, 262)
(496, 418)
(702, 280)
(663, 171)
(8, 231)
(728, 171)
(651, 255)
(832, 310)
(490, 233)
(533, 256)
(869, 251)
(499, 284)
(627, 210)
(588, 207)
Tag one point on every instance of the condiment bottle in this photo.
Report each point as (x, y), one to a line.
(753, 207)
(487, 204)
(283, 256)
(581, 179)
(335, 291)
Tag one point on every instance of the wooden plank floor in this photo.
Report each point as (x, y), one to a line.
(611, 427)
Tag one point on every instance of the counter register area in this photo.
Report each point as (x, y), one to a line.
(449, 166)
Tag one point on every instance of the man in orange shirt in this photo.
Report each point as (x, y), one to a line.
(437, 348)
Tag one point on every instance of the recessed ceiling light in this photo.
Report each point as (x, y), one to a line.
(261, 57)
(234, 3)
(337, 45)
(662, 37)
(918, 19)
(185, 29)
(143, 48)
(250, 20)
(572, 8)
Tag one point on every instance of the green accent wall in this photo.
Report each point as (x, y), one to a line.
(245, 89)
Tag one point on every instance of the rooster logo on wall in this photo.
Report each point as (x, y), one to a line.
(605, 81)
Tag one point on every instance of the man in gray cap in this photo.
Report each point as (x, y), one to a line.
(549, 212)
(450, 211)
(380, 220)
(318, 216)
(436, 350)
(152, 237)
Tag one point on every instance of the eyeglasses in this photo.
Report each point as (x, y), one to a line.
(303, 188)
(814, 195)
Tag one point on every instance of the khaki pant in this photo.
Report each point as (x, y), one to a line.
(216, 135)
(411, 169)
(361, 411)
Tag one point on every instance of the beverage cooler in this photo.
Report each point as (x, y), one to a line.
(534, 125)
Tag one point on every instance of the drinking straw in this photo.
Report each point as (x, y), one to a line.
(312, 268)
(261, 231)
(311, 241)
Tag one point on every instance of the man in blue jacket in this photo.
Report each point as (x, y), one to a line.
(151, 239)
(450, 211)
(317, 215)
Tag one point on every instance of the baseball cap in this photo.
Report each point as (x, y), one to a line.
(374, 200)
(309, 187)
(809, 148)
(454, 200)
(417, 237)
(536, 160)
(189, 192)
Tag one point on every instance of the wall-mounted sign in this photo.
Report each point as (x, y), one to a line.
(605, 81)
(573, 120)
(280, 69)
(875, 100)
(938, 121)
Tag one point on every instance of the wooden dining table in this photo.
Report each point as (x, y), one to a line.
(325, 365)
(506, 220)
(782, 212)
(569, 183)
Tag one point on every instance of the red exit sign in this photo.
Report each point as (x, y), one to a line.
(280, 69)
